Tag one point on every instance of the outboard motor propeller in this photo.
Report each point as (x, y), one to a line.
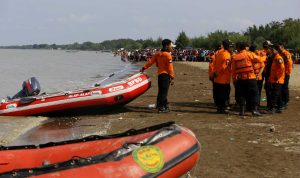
(30, 87)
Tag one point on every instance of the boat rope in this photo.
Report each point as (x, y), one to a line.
(111, 75)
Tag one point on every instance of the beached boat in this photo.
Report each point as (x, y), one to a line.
(164, 150)
(98, 97)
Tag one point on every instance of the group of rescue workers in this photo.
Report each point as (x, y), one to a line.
(249, 68)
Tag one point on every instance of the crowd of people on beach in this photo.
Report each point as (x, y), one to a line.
(192, 55)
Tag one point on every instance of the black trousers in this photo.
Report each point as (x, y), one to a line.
(274, 98)
(268, 94)
(259, 86)
(285, 90)
(163, 88)
(247, 91)
(221, 94)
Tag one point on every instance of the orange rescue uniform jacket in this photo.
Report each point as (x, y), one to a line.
(242, 67)
(277, 73)
(210, 66)
(221, 67)
(263, 56)
(163, 60)
(258, 64)
(289, 63)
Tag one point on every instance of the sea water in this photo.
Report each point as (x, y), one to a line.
(56, 70)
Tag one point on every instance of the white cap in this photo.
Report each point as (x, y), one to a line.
(173, 45)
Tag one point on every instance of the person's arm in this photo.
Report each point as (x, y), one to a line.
(170, 68)
(149, 63)
(234, 78)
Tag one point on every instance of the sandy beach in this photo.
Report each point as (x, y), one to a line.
(232, 146)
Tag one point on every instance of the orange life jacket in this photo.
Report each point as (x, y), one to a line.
(242, 66)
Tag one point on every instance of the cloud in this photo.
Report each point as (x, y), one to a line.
(74, 18)
(243, 23)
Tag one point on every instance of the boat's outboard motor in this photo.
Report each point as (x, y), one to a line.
(30, 87)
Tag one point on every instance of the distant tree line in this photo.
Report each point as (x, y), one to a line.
(287, 32)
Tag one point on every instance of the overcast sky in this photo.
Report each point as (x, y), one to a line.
(69, 21)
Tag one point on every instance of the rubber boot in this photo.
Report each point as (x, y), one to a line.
(255, 112)
(242, 110)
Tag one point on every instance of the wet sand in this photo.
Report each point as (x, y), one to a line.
(232, 146)
(12, 127)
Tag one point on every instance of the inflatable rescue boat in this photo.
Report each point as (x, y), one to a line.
(164, 150)
(29, 102)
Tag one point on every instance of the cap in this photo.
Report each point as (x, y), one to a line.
(173, 45)
(166, 42)
(227, 43)
(267, 44)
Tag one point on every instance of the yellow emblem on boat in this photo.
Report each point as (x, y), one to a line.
(150, 158)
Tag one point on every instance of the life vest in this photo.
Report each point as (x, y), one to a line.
(243, 68)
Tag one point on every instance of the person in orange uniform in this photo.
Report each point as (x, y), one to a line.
(263, 55)
(245, 79)
(210, 67)
(222, 76)
(275, 73)
(258, 67)
(165, 71)
(288, 64)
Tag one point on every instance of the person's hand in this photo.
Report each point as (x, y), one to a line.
(172, 81)
(142, 70)
(215, 74)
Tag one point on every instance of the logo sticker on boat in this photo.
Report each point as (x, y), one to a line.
(9, 106)
(117, 88)
(80, 95)
(135, 81)
(96, 92)
(149, 158)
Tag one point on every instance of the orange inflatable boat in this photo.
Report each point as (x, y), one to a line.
(76, 101)
(165, 150)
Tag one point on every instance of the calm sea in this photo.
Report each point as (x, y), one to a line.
(56, 70)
